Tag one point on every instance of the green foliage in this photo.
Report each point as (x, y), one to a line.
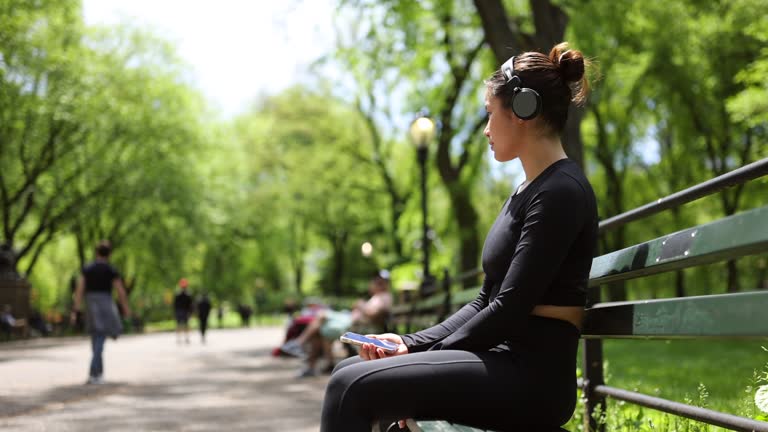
(98, 133)
(430, 55)
(301, 149)
(661, 119)
(102, 136)
(750, 105)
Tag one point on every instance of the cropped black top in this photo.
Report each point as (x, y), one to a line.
(538, 252)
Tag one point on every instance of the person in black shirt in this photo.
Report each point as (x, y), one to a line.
(96, 282)
(203, 310)
(507, 359)
(182, 309)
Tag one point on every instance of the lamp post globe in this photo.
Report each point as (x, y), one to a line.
(422, 131)
(366, 249)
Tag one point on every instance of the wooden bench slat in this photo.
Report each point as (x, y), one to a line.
(731, 237)
(722, 315)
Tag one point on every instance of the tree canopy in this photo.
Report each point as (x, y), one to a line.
(103, 136)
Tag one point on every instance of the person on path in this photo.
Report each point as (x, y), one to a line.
(95, 284)
(182, 310)
(203, 310)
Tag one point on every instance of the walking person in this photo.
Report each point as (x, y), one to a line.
(203, 310)
(182, 310)
(507, 359)
(96, 282)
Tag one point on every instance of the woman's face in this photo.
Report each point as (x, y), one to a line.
(501, 130)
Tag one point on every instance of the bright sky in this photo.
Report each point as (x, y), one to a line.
(237, 49)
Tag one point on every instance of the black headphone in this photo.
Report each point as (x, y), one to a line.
(526, 103)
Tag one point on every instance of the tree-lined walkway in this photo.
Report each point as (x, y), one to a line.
(153, 384)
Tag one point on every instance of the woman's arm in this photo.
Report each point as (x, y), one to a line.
(425, 339)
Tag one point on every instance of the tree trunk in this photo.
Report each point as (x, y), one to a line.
(571, 137)
(502, 36)
(298, 277)
(339, 248)
(679, 284)
(466, 217)
(395, 213)
(762, 274)
(297, 254)
(506, 39)
(733, 277)
(80, 246)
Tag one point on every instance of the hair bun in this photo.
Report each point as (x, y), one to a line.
(570, 62)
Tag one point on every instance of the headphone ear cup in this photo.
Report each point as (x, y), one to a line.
(526, 104)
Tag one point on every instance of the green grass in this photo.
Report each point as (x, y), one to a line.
(231, 320)
(719, 375)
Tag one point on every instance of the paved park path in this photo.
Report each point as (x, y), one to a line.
(153, 384)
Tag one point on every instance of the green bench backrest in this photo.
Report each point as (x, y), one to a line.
(725, 315)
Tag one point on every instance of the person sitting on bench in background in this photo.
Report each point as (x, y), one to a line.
(366, 316)
(8, 323)
(506, 360)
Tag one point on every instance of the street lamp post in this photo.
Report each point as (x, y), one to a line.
(422, 131)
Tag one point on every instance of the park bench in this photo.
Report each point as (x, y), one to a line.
(728, 316)
(18, 330)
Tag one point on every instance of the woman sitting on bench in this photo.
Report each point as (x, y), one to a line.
(506, 360)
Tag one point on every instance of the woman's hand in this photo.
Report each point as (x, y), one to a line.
(372, 352)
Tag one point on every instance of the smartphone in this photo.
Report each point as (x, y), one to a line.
(358, 339)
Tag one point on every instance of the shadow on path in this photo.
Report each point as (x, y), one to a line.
(53, 398)
(8, 349)
(238, 390)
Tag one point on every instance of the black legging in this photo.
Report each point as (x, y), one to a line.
(530, 388)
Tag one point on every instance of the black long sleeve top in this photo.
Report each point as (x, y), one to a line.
(538, 251)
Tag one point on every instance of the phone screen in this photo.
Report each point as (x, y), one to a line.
(358, 339)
